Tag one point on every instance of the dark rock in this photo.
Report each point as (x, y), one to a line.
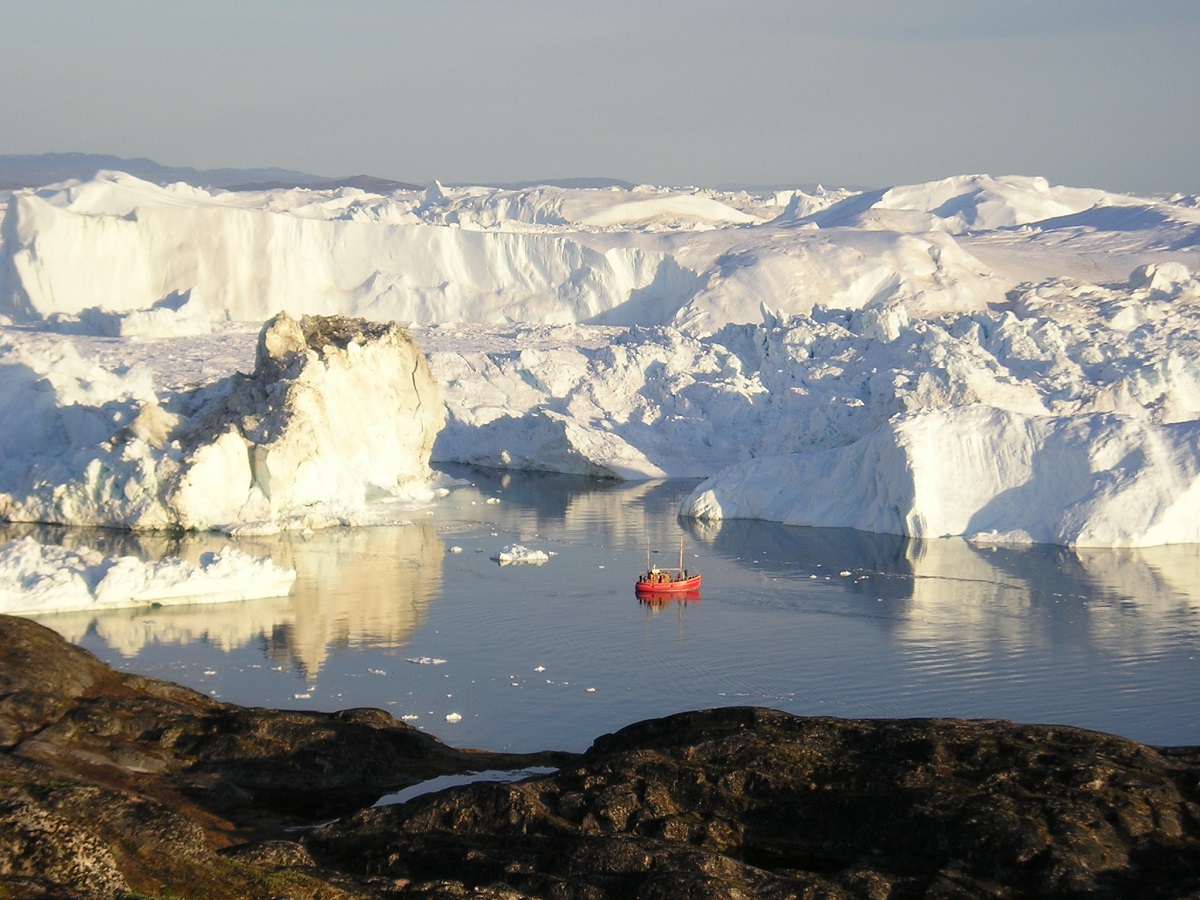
(753, 802)
(114, 785)
(272, 854)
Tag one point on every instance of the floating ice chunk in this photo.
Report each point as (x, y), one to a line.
(456, 549)
(1016, 536)
(37, 578)
(426, 661)
(453, 717)
(539, 669)
(516, 553)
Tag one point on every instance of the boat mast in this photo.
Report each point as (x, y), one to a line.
(681, 557)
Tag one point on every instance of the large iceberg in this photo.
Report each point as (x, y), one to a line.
(336, 413)
(992, 475)
(997, 357)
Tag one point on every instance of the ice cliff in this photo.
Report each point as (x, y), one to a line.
(994, 476)
(994, 356)
(336, 413)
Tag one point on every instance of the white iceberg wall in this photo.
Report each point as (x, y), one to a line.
(1095, 480)
(795, 271)
(121, 245)
(649, 402)
(802, 335)
(642, 403)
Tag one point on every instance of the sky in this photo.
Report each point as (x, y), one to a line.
(1090, 93)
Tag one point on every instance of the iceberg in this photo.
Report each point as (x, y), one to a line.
(336, 413)
(996, 357)
(37, 578)
(991, 475)
(519, 554)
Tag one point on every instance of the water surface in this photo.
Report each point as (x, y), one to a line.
(422, 621)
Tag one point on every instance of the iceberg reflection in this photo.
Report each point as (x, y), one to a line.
(1123, 602)
(355, 587)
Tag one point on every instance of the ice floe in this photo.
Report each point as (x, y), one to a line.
(518, 554)
(38, 578)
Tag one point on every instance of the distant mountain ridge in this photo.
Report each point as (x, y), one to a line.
(34, 170)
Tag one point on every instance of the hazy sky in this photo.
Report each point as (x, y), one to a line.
(1092, 93)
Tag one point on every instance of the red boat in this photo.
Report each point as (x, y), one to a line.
(656, 581)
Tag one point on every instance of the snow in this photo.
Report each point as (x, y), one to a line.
(994, 357)
(37, 578)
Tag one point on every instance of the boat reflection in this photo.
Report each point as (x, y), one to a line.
(659, 602)
(656, 604)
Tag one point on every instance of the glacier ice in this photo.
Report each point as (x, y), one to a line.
(337, 411)
(991, 356)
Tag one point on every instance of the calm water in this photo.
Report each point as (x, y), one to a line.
(422, 621)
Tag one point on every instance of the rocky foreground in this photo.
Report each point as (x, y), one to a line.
(114, 785)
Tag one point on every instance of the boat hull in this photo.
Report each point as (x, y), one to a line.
(651, 588)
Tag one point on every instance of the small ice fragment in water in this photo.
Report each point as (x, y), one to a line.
(456, 549)
(845, 573)
(517, 553)
(453, 717)
(426, 661)
(539, 669)
(493, 500)
(591, 690)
